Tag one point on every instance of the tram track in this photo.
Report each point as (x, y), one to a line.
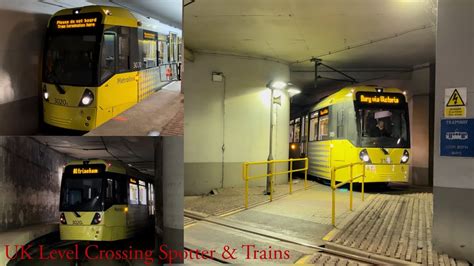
(357, 257)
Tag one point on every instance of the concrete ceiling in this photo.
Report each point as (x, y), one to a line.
(138, 152)
(167, 11)
(344, 33)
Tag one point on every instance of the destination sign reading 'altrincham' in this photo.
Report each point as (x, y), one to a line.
(84, 171)
(62, 24)
(378, 99)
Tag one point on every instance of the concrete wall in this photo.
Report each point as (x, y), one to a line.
(30, 175)
(221, 134)
(20, 49)
(453, 176)
(173, 193)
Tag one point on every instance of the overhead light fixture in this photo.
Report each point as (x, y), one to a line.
(277, 85)
(293, 91)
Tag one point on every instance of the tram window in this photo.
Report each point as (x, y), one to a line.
(323, 128)
(108, 60)
(151, 199)
(124, 50)
(340, 124)
(133, 194)
(384, 128)
(149, 53)
(292, 128)
(313, 127)
(162, 52)
(109, 192)
(142, 192)
(119, 192)
(297, 130)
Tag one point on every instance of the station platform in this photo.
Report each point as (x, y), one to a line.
(160, 114)
(395, 226)
(392, 226)
(296, 222)
(23, 236)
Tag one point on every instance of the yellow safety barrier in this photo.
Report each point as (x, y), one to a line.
(272, 173)
(350, 180)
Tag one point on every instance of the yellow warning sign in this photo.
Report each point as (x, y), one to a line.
(455, 99)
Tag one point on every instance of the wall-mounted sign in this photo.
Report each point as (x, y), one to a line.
(455, 100)
(457, 137)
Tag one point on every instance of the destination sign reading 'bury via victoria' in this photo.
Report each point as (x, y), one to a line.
(382, 99)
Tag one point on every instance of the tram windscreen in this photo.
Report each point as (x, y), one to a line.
(71, 59)
(384, 128)
(81, 194)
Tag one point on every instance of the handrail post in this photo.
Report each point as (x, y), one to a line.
(272, 166)
(246, 185)
(291, 176)
(333, 188)
(306, 173)
(363, 180)
(350, 193)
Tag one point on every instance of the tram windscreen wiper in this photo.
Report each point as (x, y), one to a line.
(56, 83)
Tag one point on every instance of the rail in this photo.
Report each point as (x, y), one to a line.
(350, 180)
(272, 173)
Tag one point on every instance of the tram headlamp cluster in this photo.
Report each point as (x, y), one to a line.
(97, 218)
(87, 98)
(45, 93)
(405, 157)
(62, 219)
(364, 156)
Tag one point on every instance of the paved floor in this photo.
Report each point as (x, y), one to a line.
(230, 199)
(396, 226)
(23, 236)
(289, 223)
(153, 114)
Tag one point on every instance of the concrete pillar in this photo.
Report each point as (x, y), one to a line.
(228, 122)
(169, 193)
(419, 129)
(454, 176)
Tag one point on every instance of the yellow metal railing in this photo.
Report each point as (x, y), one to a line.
(273, 173)
(350, 180)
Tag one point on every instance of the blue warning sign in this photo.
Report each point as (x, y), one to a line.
(457, 137)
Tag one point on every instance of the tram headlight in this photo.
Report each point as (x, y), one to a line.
(87, 98)
(45, 94)
(364, 156)
(97, 218)
(405, 157)
(62, 219)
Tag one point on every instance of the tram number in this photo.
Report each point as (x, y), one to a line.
(60, 102)
(77, 222)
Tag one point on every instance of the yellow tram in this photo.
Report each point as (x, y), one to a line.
(104, 201)
(356, 124)
(99, 61)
